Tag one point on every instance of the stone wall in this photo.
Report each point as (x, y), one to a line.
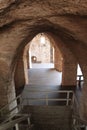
(68, 62)
(21, 20)
(58, 59)
(19, 76)
(26, 63)
(41, 50)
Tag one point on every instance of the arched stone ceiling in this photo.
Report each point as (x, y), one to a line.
(69, 14)
(65, 18)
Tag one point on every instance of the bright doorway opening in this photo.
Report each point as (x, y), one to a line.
(41, 52)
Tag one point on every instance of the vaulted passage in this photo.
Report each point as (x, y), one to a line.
(37, 34)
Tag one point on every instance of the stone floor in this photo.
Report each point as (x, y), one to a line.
(42, 65)
(45, 76)
(43, 80)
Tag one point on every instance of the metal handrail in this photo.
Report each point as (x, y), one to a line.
(47, 99)
(15, 118)
(7, 123)
(11, 123)
(75, 116)
(75, 105)
(4, 108)
(51, 91)
(10, 102)
(10, 118)
(67, 99)
(81, 120)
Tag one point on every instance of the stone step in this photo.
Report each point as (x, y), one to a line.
(26, 127)
(47, 109)
(50, 117)
(56, 123)
(51, 127)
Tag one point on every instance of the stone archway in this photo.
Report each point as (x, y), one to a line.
(66, 19)
(69, 64)
(42, 49)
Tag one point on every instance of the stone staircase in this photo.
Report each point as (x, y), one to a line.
(41, 117)
(50, 117)
(14, 118)
(15, 121)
